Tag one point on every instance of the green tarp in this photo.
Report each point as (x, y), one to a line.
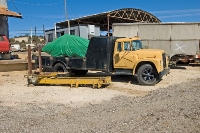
(67, 45)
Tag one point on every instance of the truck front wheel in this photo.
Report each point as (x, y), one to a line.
(147, 75)
(59, 68)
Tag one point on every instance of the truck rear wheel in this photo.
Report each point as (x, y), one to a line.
(59, 68)
(80, 72)
(147, 75)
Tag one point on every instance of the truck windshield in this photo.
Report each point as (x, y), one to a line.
(136, 45)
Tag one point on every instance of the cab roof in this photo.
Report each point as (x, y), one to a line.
(128, 39)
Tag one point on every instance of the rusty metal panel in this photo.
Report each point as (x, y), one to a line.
(154, 31)
(185, 31)
(125, 30)
(164, 45)
(185, 47)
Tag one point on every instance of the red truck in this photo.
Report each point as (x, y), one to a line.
(4, 47)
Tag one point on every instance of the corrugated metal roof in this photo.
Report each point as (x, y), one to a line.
(5, 12)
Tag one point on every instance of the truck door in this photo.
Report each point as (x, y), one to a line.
(123, 55)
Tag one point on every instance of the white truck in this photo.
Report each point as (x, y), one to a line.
(15, 47)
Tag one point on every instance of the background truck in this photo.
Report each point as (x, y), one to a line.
(121, 56)
(180, 41)
(15, 47)
(4, 48)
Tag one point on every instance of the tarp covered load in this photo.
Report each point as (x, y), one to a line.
(67, 45)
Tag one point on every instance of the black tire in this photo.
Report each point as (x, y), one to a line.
(147, 75)
(59, 67)
(80, 72)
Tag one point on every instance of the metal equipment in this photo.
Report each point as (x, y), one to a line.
(65, 79)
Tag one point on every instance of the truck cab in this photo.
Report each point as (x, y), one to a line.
(4, 44)
(4, 48)
(130, 58)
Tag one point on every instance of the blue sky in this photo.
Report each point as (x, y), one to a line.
(48, 12)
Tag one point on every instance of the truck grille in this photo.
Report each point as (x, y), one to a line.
(164, 60)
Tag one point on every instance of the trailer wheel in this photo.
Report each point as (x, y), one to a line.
(147, 75)
(80, 72)
(59, 68)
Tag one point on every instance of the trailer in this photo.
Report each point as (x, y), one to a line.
(180, 41)
(56, 78)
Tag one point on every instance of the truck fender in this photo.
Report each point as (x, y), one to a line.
(59, 61)
(154, 62)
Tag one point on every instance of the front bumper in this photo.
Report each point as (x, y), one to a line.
(164, 72)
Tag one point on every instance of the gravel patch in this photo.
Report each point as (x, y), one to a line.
(160, 108)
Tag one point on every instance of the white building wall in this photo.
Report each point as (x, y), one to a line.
(20, 39)
(81, 30)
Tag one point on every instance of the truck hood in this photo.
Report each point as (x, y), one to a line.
(158, 50)
(149, 53)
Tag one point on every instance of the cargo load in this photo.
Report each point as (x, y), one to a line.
(68, 46)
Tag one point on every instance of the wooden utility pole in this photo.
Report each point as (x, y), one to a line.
(44, 34)
(31, 36)
(35, 37)
(66, 14)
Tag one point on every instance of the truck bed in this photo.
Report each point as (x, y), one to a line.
(99, 56)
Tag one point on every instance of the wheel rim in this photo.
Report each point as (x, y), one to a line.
(148, 75)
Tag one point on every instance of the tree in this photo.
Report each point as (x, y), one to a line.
(12, 40)
(17, 42)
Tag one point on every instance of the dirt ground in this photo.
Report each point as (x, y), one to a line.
(172, 105)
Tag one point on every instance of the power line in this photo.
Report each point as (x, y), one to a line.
(43, 18)
(72, 10)
(180, 15)
(176, 11)
(15, 7)
(37, 4)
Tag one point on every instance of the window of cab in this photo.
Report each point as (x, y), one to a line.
(129, 46)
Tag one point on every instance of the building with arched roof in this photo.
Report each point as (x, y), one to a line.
(91, 25)
(125, 15)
